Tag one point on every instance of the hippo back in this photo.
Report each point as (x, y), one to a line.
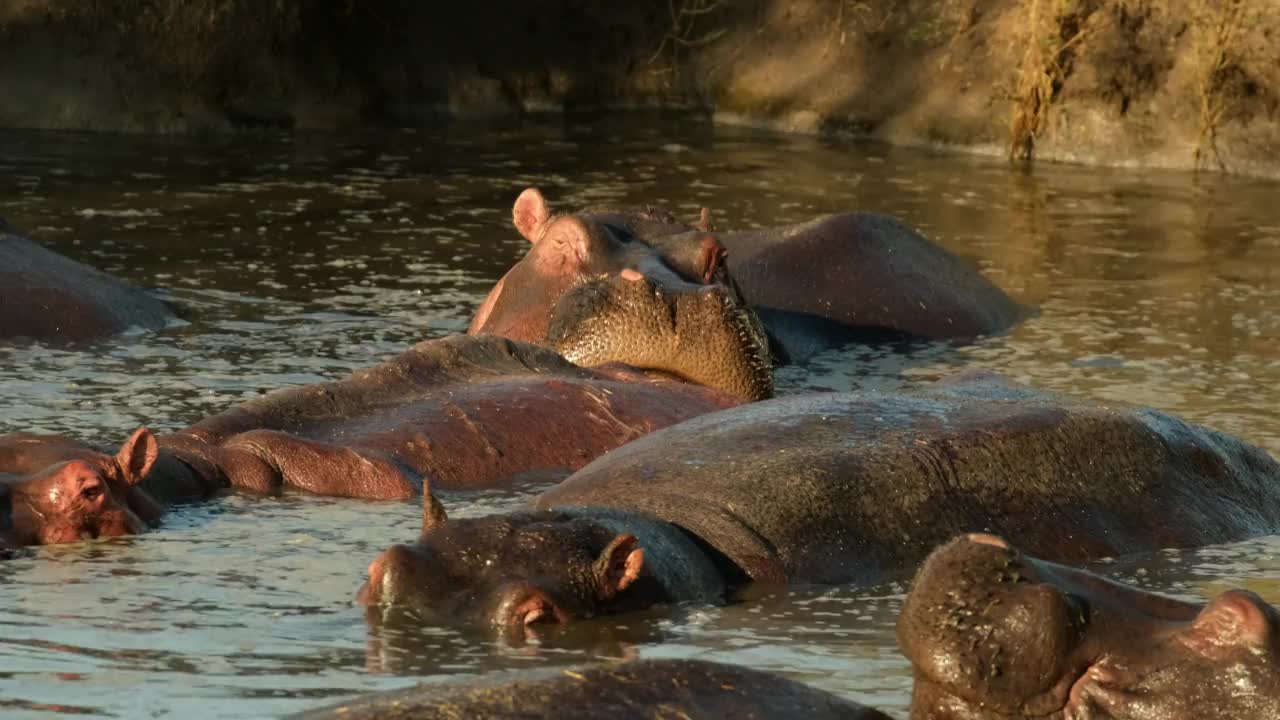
(848, 487)
(867, 271)
(637, 690)
(462, 411)
(48, 297)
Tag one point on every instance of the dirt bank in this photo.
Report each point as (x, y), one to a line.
(1147, 83)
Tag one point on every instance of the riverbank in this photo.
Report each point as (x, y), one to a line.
(1135, 83)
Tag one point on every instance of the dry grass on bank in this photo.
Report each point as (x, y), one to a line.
(1228, 56)
(1223, 56)
(1055, 30)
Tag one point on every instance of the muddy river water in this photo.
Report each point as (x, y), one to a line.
(299, 259)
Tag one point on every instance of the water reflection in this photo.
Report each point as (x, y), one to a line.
(297, 259)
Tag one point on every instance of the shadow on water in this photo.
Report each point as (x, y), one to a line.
(299, 259)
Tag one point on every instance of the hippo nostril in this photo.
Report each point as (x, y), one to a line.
(987, 539)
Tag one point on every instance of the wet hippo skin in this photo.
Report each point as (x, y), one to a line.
(461, 412)
(834, 489)
(636, 690)
(53, 299)
(994, 634)
(843, 486)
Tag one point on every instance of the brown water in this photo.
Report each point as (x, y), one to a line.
(298, 260)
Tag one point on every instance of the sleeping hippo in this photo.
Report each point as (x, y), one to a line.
(459, 412)
(50, 298)
(816, 284)
(636, 690)
(834, 489)
(994, 634)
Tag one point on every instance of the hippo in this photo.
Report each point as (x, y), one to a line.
(124, 493)
(633, 690)
(597, 296)
(54, 490)
(50, 298)
(464, 412)
(993, 633)
(852, 488)
(814, 285)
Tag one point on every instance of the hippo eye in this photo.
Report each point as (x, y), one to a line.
(91, 492)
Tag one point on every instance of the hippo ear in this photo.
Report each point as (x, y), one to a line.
(137, 455)
(711, 258)
(433, 514)
(530, 213)
(619, 565)
(704, 221)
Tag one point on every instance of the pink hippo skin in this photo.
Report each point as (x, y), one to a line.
(459, 412)
(53, 490)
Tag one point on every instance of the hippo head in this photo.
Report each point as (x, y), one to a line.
(994, 634)
(594, 291)
(84, 497)
(509, 572)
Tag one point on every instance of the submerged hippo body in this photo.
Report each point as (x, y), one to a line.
(997, 635)
(637, 690)
(837, 488)
(857, 275)
(50, 298)
(459, 412)
(814, 285)
(848, 486)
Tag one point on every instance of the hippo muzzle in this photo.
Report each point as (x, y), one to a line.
(700, 333)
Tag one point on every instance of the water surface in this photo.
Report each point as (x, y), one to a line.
(296, 260)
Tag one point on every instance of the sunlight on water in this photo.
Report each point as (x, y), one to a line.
(296, 260)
